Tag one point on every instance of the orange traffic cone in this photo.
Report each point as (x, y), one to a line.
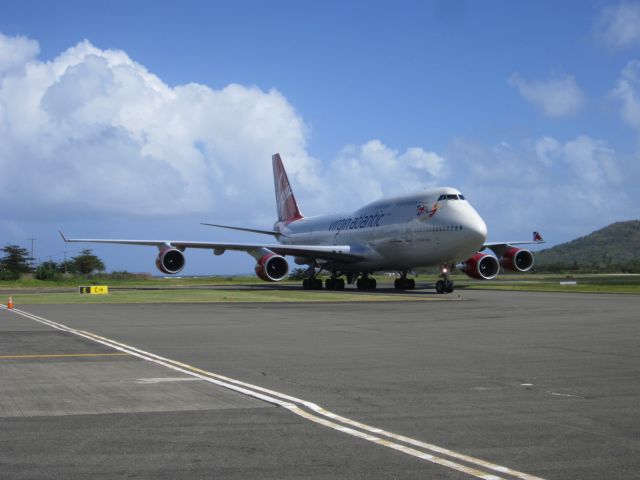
(10, 304)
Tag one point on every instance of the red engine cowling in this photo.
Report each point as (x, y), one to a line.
(517, 259)
(272, 268)
(170, 260)
(482, 266)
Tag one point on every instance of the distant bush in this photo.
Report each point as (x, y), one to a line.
(123, 275)
(9, 275)
(45, 272)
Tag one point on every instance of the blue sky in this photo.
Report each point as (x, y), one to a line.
(144, 118)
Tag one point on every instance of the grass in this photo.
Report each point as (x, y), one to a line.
(222, 295)
(251, 289)
(74, 282)
(585, 283)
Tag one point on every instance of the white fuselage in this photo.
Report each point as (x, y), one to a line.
(434, 227)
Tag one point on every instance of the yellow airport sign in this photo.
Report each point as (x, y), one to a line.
(94, 290)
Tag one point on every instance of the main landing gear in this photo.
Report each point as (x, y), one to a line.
(366, 283)
(334, 283)
(404, 283)
(312, 283)
(446, 284)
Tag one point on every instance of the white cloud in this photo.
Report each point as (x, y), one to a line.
(15, 52)
(544, 148)
(619, 25)
(369, 171)
(627, 93)
(558, 96)
(93, 131)
(565, 188)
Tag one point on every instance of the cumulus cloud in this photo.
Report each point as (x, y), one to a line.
(619, 25)
(369, 171)
(627, 93)
(558, 96)
(93, 131)
(567, 187)
(15, 52)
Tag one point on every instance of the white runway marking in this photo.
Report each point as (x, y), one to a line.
(303, 408)
(166, 379)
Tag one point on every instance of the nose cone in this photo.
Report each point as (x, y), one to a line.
(476, 229)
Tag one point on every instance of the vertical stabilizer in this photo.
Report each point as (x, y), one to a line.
(288, 210)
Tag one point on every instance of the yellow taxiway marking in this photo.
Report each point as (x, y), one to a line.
(62, 355)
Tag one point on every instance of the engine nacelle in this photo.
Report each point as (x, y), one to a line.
(517, 259)
(482, 266)
(170, 260)
(272, 268)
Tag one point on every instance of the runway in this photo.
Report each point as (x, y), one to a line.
(546, 385)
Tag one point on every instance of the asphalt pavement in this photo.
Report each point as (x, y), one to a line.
(547, 384)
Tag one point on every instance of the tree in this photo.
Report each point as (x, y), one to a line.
(15, 261)
(47, 270)
(87, 262)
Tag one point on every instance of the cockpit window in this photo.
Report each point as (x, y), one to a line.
(450, 196)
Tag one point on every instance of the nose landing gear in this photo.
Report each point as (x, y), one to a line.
(446, 284)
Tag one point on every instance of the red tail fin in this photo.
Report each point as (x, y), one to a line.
(288, 210)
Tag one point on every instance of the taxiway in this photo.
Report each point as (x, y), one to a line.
(543, 384)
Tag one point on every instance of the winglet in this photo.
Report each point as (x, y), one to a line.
(62, 235)
(288, 210)
(537, 237)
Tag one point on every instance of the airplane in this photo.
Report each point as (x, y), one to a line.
(436, 227)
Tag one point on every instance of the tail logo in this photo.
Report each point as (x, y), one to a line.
(285, 200)
(537, 237)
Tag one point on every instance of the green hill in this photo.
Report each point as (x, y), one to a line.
(615, 248)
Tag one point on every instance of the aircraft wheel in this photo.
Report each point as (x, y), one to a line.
(440, 287)
(411, 284)
(305, 284)
(448, 287)
(317, 284)
(366, 284)
(339, 284)
(330, 284)
(397, 284)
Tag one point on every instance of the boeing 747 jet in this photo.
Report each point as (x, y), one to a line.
(436, 227)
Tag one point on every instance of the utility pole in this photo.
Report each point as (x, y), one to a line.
(32, 259)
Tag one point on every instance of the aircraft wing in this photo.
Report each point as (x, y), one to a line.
(342, 253)
(500, 247)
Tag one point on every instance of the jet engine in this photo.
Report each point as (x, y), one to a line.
(170, 260)
(482, 266)
(272, 267)
(517, 260)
